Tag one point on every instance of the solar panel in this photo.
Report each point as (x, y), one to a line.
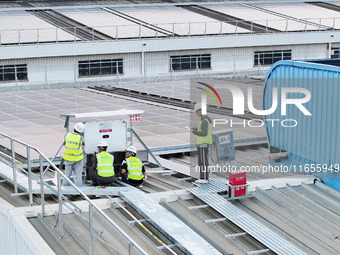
(305, 11)
(108, 23)
(260, 17)
(182, 21)
(23, 27)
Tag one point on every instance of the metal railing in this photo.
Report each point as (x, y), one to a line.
(137, 31)
(132, 245)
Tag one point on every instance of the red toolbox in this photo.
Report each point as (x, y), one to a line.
(237, 178)
(240, 191)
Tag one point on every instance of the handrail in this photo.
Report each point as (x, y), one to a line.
(59, 193)
(35, 38)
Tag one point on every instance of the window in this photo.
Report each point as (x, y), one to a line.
(100, 67)
(270, 57)
(335, 53)
(190, 62)
(13, 72)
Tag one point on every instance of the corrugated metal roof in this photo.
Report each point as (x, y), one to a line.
(315, 138)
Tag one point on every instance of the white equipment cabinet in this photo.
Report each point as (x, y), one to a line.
(114, 132)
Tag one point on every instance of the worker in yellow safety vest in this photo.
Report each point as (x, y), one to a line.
(203, 142)
(102, 171)
(132, 169)
(73, 154)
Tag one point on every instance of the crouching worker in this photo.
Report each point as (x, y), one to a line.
(133, 171)
(102, 171)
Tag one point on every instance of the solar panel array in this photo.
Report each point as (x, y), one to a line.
(23, 27)
(136, 21)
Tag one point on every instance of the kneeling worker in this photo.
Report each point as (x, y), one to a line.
(102, 171)
(133, 171)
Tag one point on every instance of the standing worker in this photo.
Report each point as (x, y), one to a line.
(73, 154)
(102, 171)
(132, 170)
(203, 141)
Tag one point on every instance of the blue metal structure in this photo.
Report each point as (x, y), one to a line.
(314, 139)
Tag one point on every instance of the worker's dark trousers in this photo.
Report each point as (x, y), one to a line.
(203, 162)
(135, 183)
(100, 180)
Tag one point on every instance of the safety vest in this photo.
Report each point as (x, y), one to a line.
(105, 164)
(73, 147)
(134, 167)
(204, 139)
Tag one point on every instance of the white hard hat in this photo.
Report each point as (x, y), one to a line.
(102, 144)
(80, 127)
(198, 106)
(132, 149)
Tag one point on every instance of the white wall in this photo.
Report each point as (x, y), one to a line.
(54, 70)
(310, 51)
(17, 235)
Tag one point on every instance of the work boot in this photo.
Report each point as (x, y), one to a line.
(201, 181)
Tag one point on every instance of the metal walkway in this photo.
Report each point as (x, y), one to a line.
(167, 223)
(208, 194)
(6, 172)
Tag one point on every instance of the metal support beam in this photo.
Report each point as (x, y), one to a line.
(14, 165)
(197, 207)
(258, 252)
(185, 179)
(91, 228)
(18, 194)
(162, 247)
(235, 235)
(146, 147)
(134, 221)
(215, 220)
(170, 173)
(42, 187)
(30, 195)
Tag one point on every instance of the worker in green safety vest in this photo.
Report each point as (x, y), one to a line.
(203, 142)
(102, 171)
(132, 169)
(73, 154)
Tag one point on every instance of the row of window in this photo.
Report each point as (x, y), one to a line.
(100, 67)
(270, 57)
(115, 66)
(13, 72)
(190, 62)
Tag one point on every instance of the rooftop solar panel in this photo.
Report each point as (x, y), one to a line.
(166, 17)
(108, 23)
(260, 17)
(22, 27)
(306, 11)
(34, 118)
